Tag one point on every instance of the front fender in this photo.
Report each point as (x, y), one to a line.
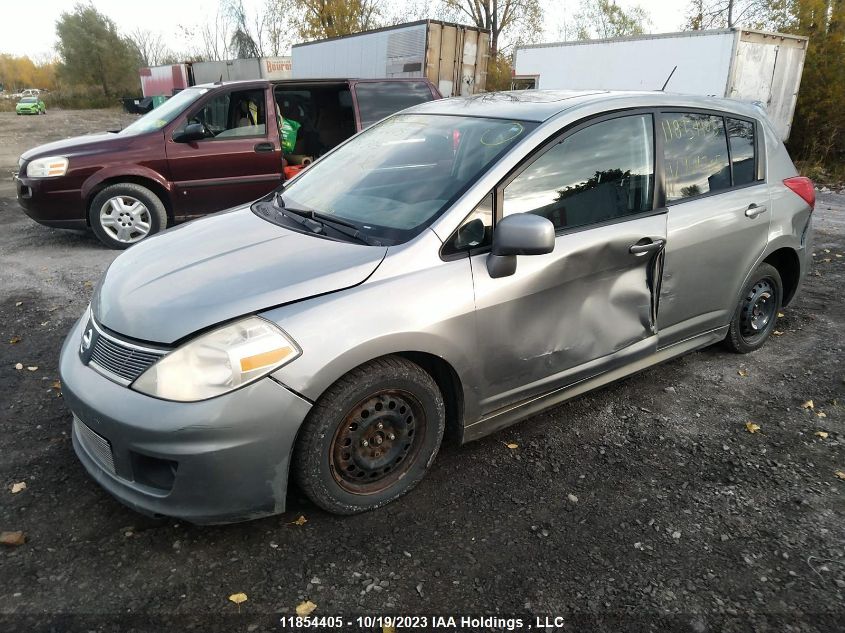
(115, 172)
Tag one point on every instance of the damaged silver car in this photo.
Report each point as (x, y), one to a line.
(461, 265)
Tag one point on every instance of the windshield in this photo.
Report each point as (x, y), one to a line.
(394, 179)
(29, 100)
(158, 117)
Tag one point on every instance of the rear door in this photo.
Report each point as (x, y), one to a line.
(238, 161)
(375, 100)
(718, 218)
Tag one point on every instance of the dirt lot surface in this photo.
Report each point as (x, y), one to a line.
(646, 505)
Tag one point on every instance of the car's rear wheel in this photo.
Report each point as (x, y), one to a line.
(371, 437)
(756, 314)
(124, 214)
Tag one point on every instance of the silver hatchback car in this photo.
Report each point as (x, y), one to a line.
(463, 264)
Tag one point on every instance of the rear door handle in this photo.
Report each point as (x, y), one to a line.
(646, 247)
(264, 147)
(754, 210)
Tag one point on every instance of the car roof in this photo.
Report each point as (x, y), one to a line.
(541, 105)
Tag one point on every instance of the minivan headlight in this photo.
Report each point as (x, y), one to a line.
(48, 167)
(219, 361)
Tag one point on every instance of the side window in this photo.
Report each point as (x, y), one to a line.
(602, 172)
(741, 139)
(475, 231)
(233, 114)
(695, 155)
(378, 99)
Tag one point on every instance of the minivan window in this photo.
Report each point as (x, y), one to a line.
(741, 138)
(602, 172)
(233, 114)
(378, 99)
(695, 154)
(159, 117)
(395, 178)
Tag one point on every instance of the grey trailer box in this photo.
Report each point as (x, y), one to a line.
(741, 64)
(452, 56)
(226, 70)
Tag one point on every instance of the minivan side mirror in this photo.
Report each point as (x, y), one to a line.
(191, 132)
(519, 234)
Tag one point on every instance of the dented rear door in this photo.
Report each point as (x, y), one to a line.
(590, 305)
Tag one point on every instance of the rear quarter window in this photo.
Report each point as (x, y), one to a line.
(379, 99)
(695, 154)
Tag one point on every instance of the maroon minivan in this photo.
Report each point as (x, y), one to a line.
(207, 148)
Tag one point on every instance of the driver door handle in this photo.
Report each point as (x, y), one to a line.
(647, 247)
(264, 147)
(754, 210)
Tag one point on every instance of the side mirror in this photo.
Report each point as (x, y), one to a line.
(191, 132)
(519, 234)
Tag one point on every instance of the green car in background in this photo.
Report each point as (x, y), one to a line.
(30, 105)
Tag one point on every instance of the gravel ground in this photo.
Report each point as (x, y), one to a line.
(646, 505)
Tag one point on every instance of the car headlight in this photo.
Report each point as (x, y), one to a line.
(48, 167)
(219, 361)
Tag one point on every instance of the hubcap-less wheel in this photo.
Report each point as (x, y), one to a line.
(377, 441)
(125, 219)
(758, 310)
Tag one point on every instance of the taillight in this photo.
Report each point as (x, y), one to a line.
(803, 186)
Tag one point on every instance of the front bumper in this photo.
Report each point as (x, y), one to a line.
(217, 461)
(50, 202)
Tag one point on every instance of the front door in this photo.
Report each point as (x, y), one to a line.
(238, 161)
(589, 305)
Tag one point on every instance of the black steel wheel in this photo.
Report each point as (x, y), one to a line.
(756, 314)
(371, 437)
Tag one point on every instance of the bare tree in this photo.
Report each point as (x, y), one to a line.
(511, 19)
(719, 14)
(150, 46)
(216, 36)
(604, 19)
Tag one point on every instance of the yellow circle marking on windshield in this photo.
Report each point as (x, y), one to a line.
(490, 136)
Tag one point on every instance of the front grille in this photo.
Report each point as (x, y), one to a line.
(122, 359)
(98, 446)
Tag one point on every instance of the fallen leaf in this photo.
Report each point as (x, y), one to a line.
(14, 340)
(751, 427)
(17, 487)
(18, 366)
(743, 373)
(57, 384)
(839, 474)
(305, 608)
(821, 414)
(237, 598)
(18, 304)
(300, 521)
(511, 445)
(32, 367)
(781, 315)
(14, 539)
(87, 284)
(777, 333)
(388, 628)
(822, 434)
(808, 405)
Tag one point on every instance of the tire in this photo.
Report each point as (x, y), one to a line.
(756, 313)
(371, 437)
(122, 215)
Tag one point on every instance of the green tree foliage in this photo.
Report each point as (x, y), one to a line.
(603, 19)
(94, 53)
(818, 128)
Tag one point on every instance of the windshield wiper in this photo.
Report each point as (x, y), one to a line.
(336, 224)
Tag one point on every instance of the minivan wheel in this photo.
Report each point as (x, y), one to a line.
(122, 215)
(371, 437)
(755, 316)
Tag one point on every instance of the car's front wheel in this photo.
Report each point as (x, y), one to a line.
(755, 315)
(371, 437)
(124, 214)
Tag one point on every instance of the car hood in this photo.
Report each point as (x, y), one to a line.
(218, 268)
(76, 145)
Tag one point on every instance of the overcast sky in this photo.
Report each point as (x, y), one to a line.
(29, 29)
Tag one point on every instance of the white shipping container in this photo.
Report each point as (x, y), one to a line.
(452, 56)
(227, 70)
(736, 63)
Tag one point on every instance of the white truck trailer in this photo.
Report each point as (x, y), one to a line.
(452, 56)
(736, 63)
